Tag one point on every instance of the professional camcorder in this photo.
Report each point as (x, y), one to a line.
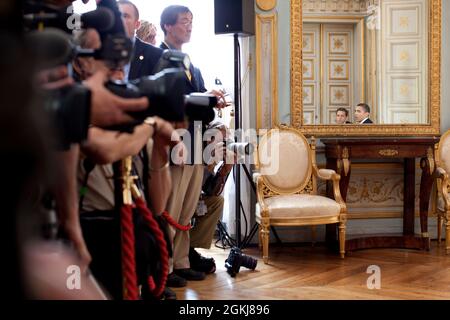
(165, 91)
(48, 40)
(41, 15)
(236, 259)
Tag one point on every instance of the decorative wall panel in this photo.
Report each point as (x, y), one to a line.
(404, 62)
(266, 71)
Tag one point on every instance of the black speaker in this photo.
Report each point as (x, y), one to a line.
(234, 16)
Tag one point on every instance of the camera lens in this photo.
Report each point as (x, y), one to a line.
(249, 262)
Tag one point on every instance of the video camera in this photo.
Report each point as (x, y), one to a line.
(48, 40)
(40, 15)
(165, 91)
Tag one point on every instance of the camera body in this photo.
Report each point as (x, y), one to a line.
(236, 259)
(165, 91)
(69, 109)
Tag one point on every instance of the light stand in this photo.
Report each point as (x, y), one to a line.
(240, 243)
(237, 126)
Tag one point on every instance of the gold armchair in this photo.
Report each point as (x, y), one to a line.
(442, 196)
(287, 187)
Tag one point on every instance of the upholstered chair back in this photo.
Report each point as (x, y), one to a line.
(285, 161)
(444, 152)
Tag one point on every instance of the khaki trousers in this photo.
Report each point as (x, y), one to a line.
(186, 188)
(203, 232)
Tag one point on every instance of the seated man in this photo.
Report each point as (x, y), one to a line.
(342, 116)
(210, 207)
(362, 114)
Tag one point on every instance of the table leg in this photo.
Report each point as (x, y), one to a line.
(426, 184)
(409, 196)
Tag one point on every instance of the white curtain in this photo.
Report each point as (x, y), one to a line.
(229, 214)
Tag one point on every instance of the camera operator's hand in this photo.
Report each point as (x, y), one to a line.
(221, 103)
(65, 191)
(165, 133)
(180, 125)
(107, 108)
(73, 230)
(221, 153)
(55, 78)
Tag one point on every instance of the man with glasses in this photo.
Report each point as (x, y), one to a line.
(176, 23)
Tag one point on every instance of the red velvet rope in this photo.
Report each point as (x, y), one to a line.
(175, 224)
(130, 286)
(157, 289)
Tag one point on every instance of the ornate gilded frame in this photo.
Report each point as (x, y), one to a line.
(434, 92)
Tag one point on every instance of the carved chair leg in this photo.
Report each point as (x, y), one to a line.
(260, 237)
(342, 239)
(440, 223)
(265, 237)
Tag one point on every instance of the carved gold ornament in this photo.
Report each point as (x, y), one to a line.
(266, 5)
(388, 152)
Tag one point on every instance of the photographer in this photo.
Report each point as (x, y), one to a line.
(210, 206)
(176, 22)
(97, 203)
(105, 109)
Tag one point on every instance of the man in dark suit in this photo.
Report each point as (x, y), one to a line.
(362, 114)
(145, 56)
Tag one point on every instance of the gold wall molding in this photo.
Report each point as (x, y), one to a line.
(434, 92)
(266, 5)
(266, 71)
(336, 7)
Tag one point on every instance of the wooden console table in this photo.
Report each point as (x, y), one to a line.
(341, 151)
